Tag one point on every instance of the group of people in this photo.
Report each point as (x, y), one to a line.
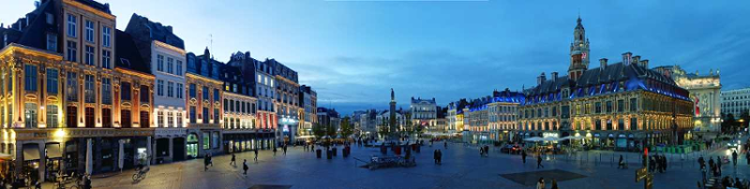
(540, 184)
(734, 183)
(438, 156)
(657, 163)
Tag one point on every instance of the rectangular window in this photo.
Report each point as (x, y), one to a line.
(633, 104)
(159, 63)
(72, 51)
(179, 119)
(71, 25)
(225, 105)
(160, 119)
(160, 87)
(106, 91)
(30, 79)
(216, 116)
(192, 90)
(598, 124)
(633, 123)
(609, 106)
(89, 55)
(170, 119)
(89, 31)
(179, 68)
(89, 119)
(620, 105)
(31, 115)
(89, 89)
(216, 95)
(52, 119)
(72, 88)
(170, 89)
(106, 36)
(193, 118)
(179, 90)
(52, 81)
(52, 42)
(170, 63)
(106, 118)
(598, 107)
(125, 91)
(205, 92)
(106, 59)
(206, 117)
(206, 141)
(145, 94)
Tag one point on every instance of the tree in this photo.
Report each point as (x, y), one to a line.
(319, 131)
(728, 126)
(346, 127)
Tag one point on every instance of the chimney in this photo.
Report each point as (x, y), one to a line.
(553, 75)
(626, 58)
(602, 64)
(541, 79)
(644, 63)
(637, 59)
(169, 28)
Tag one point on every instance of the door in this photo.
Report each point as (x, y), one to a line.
(89, 117)
(179, 149)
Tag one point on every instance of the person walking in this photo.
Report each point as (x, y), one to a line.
(435, 156)
(211, 160)
(554, 184)
(734, 158)
(233, 162)
(205, 163)
(523, 156)
(256, 155)
(664, 162)
(274, 151)
(718, 164)
(445, 144)
(284, 148)
(540, 184)
(702, 163)
(244, 166)
(539, 161)
(620, 164)
(440, 157)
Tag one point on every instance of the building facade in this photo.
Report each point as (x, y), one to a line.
(203, 87)
(165, 54)
(503, 114)
(735, 102)
(423, 112)
(265, 93)
(621, 106)
(241, 124)
(705, 91)
(287, 100)
(309, 117)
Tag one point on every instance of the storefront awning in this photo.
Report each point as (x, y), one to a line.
(53, 151)
(30, 153)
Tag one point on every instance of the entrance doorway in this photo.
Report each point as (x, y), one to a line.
(192, 146)
(179, 149)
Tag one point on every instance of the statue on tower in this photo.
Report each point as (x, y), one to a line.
(393, 96)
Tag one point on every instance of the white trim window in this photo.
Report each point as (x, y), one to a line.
(170, 62)
(160, 88)
(170, 89)
(159, 63)
(179, 90)
(72, 25)
(89, 31)
(179, 67)
(106, 59)
(90, 55)
(106, 36)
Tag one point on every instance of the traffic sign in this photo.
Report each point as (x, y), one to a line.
(640, 174)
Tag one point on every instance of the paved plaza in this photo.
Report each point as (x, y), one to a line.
(462, 168)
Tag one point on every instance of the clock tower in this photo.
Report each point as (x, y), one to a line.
(579, 52)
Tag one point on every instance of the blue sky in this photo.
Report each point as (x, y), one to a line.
(353, 52)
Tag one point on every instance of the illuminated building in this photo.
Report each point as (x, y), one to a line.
(308, 105)
(265, 94)
(203, 88)
(241, 130)
(456, 116)
(735, 102)
(165, 53)
(503, 114)
(72, 80)
(705, 91)
(616, 106)
(423, 112)
(287, 100)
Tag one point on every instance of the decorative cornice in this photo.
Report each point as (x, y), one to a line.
(170, 47)
(17, 48)
(89, 9)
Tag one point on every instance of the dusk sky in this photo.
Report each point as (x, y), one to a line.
(353, 52)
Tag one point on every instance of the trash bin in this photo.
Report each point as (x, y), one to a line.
(318, 153)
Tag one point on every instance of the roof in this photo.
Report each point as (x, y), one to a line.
(32, 30)
(96, 5)
(420, 100)
(606, 80)
(126, 53)
(154, 31)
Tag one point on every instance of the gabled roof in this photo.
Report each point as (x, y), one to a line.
(32, 30)
(126, 55)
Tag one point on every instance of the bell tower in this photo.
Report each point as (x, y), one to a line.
(579, 52)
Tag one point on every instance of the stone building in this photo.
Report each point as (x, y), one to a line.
(705, 91)
(616, 106)
(423, 112)
(287, 100)
(735, 102)
(203, 87)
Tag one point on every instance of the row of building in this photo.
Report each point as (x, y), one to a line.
(623, 105)
(79, 95)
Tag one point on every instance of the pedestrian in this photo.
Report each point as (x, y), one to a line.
(312, 146)
(244, 166)
(435, 156)
(87, 182)
(539, 161)
(233, 162)
(540, 184)
(481, 151)
(274, 151)
(620, 164)
(718, 164)
(664, 163)
(738, 183)
(440, 157)
(256, 155)
(211, 160)
(486, 150)
(523, 156)
(445, 144)
(205, 163)
(747, 157)
(554, 184)
(734, 158)
(284, 149)
(702, 163)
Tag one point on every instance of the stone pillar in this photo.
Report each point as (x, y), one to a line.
(149, 152)
(171, 149)
(19, 157)
(42, 161)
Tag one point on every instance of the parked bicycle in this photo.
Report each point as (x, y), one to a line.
(140, 173)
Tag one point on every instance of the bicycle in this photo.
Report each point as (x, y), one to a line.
(140, 173)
